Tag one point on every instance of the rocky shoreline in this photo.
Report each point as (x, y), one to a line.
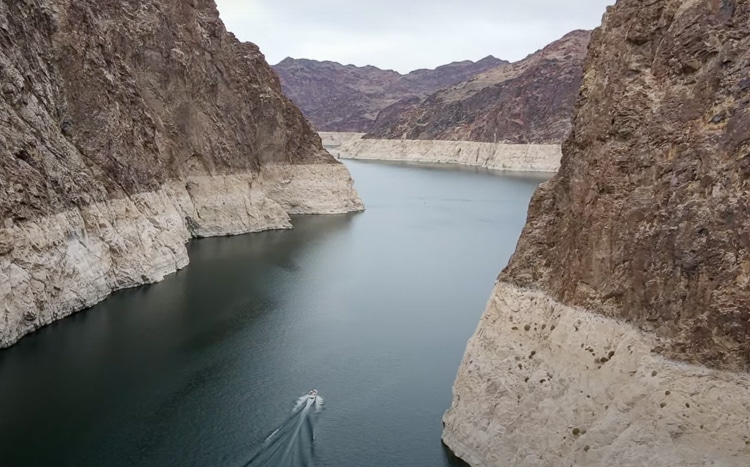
(545, 384)
(53, 266)
(495, 156)
(128, 129)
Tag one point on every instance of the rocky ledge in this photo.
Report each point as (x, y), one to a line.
(126, 129)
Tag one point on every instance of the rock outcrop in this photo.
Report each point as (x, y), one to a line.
(620, 331)
(545, 384)
(127, 128)
(508, 157)
(530, 101)
(348, 98)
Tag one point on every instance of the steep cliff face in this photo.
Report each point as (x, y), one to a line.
(530, 101)
(348, 98)
(619, 332)
(657, 168)
(125, 129)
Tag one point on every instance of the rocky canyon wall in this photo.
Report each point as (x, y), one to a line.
(127, 128)
(348, 98)
(620, 331)
(512, 116)
(527, 102)
(495, 156)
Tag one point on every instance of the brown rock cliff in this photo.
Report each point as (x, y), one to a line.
(348, 98)
(530, 101)
(107, 99)
(648, 219)
(126, 128)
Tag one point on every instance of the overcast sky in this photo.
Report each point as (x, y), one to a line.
(406, 34)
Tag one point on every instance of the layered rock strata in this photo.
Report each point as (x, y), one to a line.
(510, 157)
(620, 331)
(126, 129)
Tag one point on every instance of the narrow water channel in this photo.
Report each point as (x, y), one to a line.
(372, 309)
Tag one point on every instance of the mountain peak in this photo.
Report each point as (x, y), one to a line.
(338, 97)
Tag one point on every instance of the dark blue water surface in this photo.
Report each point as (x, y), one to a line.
(372, 309)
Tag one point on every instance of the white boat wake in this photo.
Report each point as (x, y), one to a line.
(291, 444)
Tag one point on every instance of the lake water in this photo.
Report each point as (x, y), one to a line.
(372, 309)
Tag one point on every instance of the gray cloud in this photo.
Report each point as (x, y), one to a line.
(406, 34)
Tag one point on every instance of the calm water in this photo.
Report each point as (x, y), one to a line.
(372, 309)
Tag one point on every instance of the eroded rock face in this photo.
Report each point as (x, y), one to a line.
(657, 170)
(507, 157)
(348, 98)
(629, 285)
(544, 384)
(126, 128)
(530, 101)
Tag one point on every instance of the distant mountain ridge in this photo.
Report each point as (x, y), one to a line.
(529, 101)
(336, 97)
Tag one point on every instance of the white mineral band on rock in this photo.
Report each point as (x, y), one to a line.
(57, 265)
(496, 156)
(545, 384)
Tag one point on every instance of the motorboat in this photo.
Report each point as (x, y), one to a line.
(313, 394)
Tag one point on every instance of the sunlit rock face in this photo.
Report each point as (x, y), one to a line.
(125, 129)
